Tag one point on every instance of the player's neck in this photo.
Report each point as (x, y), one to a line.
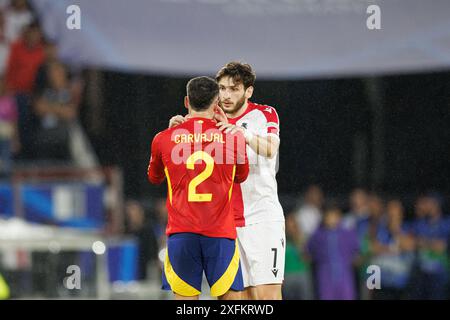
(207, 114)
(239, 112)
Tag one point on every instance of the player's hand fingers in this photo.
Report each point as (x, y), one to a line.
(236, 129)
(231, 127)
(173, 123)
(219, 115)
(188, 116)
(223, 126)
(176, 120)
(228, 127)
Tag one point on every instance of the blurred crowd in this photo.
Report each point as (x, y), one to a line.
(40, 100)
(39, 97)
(330, 250)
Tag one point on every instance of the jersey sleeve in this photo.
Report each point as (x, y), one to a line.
(155, 171)
(272, 121)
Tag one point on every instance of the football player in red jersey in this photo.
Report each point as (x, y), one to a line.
(201, 164)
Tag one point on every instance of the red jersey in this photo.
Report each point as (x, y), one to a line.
(200, 164)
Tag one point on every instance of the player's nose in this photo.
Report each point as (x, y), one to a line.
(225, 94)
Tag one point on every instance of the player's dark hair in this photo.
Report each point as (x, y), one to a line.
(201, 92)
(239, 72)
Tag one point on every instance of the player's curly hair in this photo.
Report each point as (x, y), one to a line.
(239, 72)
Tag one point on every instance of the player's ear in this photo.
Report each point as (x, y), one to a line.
(249, 92)
(186, 102)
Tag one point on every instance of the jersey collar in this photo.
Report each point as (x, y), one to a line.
(250, 106)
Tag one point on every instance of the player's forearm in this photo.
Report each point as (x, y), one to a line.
(155, 178)
(264, 146)
(155, 171)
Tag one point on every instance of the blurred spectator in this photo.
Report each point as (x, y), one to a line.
(393, 250)
(367, 229)
(432, 233)
(26, 55)
(42, 81)
(4, 45)
(55, 111)
(308, 218)
(297, 280)
(17, 16)
(139, 225)
(42, 76)
(309, 215)
(420, 213)
(9, 139)
(355, 219)
(359, 209)
(333, 250)
(59, 137)
(159, 227)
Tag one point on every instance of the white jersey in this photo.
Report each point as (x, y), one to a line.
(259, 191)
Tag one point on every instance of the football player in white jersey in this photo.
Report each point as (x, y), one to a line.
(258, 213)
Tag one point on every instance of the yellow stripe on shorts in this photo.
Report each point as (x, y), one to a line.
(177, 284)
(226, 280)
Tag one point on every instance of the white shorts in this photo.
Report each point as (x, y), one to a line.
(262, 251)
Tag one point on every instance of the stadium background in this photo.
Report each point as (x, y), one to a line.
(377, 120)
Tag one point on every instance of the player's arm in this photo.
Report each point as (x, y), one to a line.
(267, 145)
(155, 171)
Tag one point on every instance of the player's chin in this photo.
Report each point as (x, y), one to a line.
(228, 108)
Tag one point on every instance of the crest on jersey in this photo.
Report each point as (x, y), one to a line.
(244, 125)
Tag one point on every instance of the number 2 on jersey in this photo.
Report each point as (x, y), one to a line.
(193, 196)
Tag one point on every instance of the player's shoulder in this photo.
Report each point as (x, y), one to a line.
(262, 107)
(268, 111)
(162, 134)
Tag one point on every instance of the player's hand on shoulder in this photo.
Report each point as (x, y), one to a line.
(229, 128)
(176, 120)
